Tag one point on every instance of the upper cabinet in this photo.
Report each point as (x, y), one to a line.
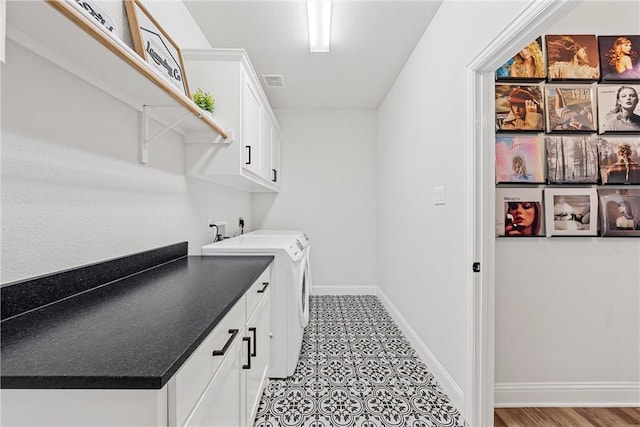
(58, 32)
(251, 161)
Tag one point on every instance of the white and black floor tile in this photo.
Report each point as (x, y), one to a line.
(356, 369)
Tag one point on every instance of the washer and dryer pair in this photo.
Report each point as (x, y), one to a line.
(290, 288)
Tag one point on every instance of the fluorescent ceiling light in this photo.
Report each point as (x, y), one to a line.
(319, 16)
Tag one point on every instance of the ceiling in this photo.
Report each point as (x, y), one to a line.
(370, 43)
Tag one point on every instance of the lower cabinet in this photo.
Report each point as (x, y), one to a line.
(221, 389)
(233, 395)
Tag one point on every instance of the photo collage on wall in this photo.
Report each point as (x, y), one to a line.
(567, 146)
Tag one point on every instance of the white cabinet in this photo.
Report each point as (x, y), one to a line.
(220, 384)
(225, 389)
(247, 163)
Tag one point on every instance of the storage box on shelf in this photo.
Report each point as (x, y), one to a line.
(58, 32)
(251, 162)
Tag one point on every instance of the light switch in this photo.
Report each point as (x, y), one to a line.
(438, 196)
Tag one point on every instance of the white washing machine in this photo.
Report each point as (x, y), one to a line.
(289, 292)
(302, 238)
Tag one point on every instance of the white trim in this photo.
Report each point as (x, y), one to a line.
(453, 390)
(571, 394)
(480, 196)
(344, 290)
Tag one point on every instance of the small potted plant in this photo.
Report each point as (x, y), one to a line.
(203, 99)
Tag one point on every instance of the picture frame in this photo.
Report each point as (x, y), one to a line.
(519, 159)
(620, 212)
(570, 108)
(156, 47)
(572, 159)
(519, 212)
(619, 57)
(97, 15)
(526, 65)
(572, 57)
(571, 211)
(519, 108)
(618, 108)
(619, 159)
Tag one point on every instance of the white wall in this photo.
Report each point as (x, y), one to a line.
(328, 191)
(422, 146)
(568, 309)
(73, 191)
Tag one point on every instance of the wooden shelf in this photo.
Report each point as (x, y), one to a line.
(61, 34)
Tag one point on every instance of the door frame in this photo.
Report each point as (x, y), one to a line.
(537, 16)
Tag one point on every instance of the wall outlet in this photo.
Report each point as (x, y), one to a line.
(222, 227)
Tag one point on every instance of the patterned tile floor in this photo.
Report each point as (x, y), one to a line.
(356, 369)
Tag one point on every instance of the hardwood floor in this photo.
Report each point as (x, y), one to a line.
(566, 417)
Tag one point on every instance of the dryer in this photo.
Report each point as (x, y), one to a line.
(302, 239)
(289, 292)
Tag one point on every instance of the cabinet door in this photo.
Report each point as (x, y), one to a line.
(251, 132)
(259, 329)
(222, 404)
(265, 139)
(275, 157)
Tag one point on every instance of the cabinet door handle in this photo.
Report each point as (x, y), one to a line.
(248, 162)
(264, 288)
(275, 175)
(234, 333)
(254, 331)
(248, 340)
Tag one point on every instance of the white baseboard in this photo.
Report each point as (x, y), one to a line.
(453, 391)
(576, 394)
(344, 290)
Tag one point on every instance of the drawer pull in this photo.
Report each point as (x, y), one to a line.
(248, 365)
(234, 333)
(264, 287)
(254, 332)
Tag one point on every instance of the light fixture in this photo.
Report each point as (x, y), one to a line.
(319, 16)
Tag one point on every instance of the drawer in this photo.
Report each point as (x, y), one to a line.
(192, 379)
(256, 292)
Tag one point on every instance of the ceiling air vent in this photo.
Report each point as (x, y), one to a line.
(273, 80)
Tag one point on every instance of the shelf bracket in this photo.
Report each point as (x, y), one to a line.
(144, 138)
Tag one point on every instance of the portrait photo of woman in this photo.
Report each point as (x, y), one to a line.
(572, 57)
(519, 159)
(619, 159)
(570, 108)
(519, 108)
(619, 57)
(618, 108)
(522, 210)
(527, 64)
(621, 212)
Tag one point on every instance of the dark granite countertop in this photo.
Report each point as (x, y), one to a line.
(133, 333)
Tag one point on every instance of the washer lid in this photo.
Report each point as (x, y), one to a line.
(247, 244)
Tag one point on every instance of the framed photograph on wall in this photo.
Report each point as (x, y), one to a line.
(519, 159)
(571, 211)
(572, 159)
(572, 57)
(153, 44)
(618, 108)
(619, 57)
(619, 158)
(519, 108)
(570, 108)
(620, 212)
(526, 65)
(519, 212)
